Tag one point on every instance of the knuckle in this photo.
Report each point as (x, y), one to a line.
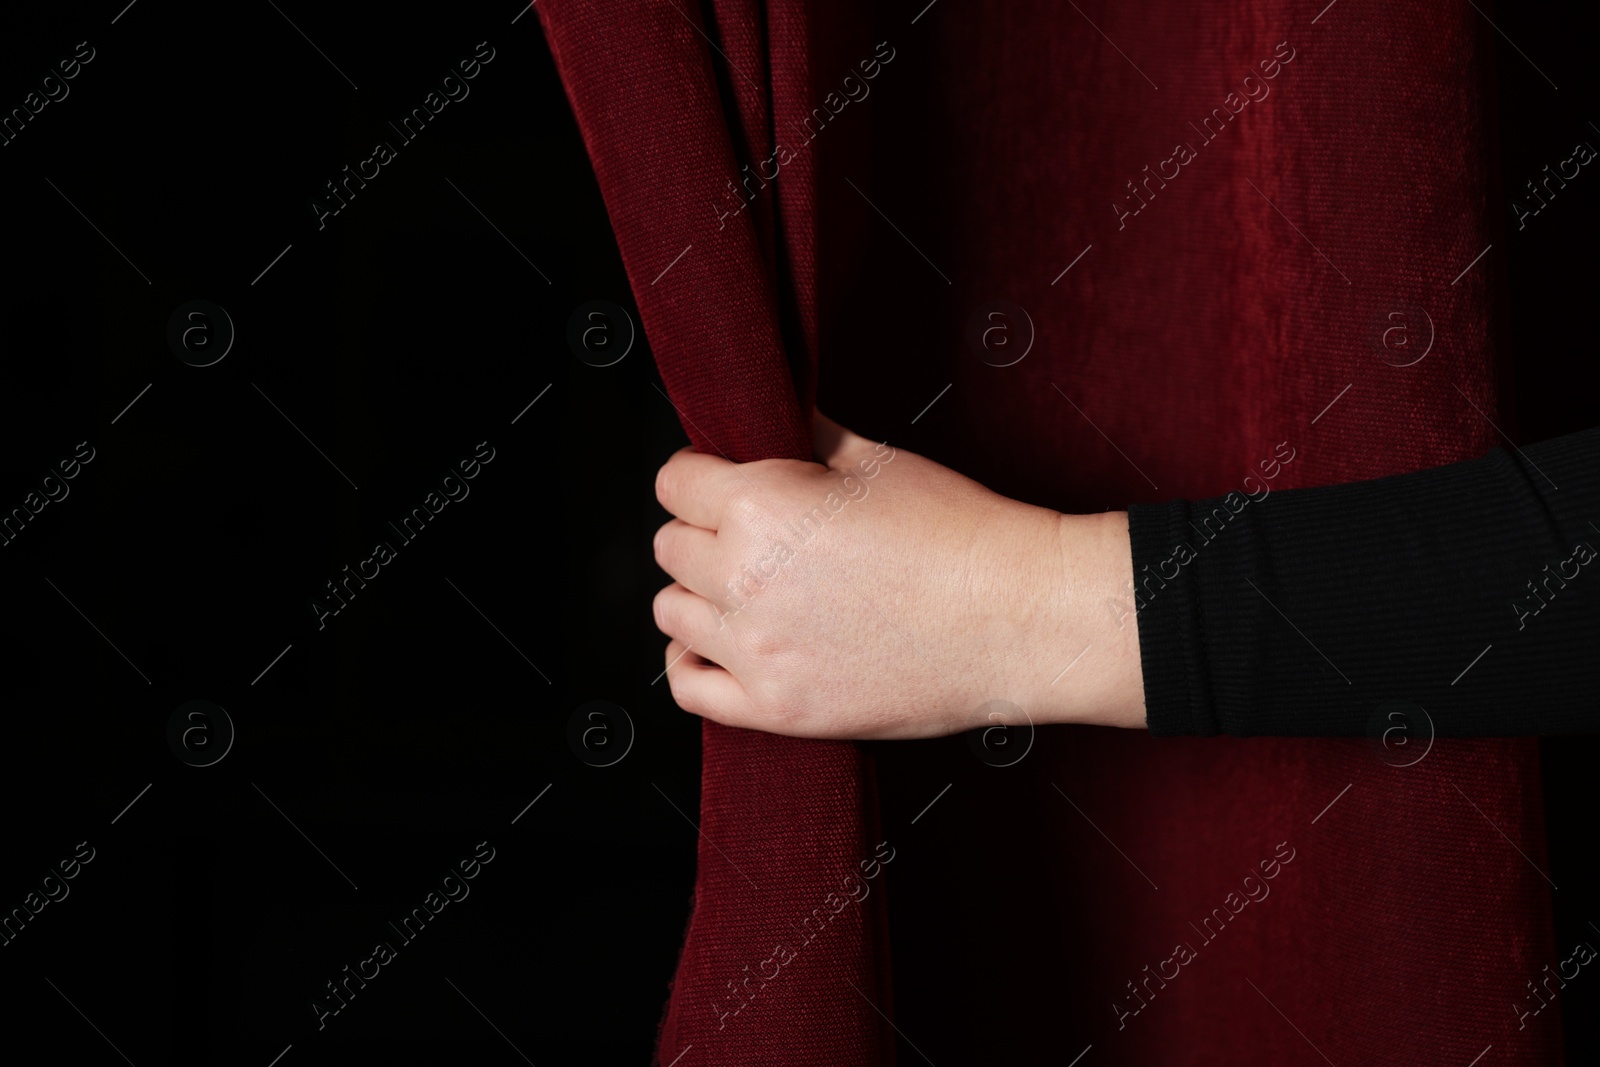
(757, 642)
(742, 509)
(683, 694)
(666, 480)
(659, 609)
(660, 545)
(678, 695)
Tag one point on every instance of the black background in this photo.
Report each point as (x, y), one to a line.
(379, 750)
(396, 338)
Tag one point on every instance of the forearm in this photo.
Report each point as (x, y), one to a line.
(1462, 590)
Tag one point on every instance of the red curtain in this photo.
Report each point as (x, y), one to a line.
(1221, 300)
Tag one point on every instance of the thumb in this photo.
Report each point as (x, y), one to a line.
(832, 444)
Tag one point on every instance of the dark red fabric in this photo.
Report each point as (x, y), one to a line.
(1194, 336)
(717, 299)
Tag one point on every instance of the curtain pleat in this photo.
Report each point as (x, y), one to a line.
(782, 820)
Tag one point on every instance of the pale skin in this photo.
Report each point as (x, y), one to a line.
(875, 594)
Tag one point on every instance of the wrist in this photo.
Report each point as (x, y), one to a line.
(1094, 630)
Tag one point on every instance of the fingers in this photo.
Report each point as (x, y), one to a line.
(694, 486)
(693, 620)
(833, 445)
(702, 688)
(688, 553)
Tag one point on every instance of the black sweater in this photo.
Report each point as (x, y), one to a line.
(1470, 592)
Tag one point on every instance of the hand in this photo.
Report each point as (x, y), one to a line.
(877, 594)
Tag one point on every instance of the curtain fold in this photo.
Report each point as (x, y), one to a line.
(1222, 300)
(782, 820)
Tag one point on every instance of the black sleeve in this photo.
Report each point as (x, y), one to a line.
(1470, 591)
